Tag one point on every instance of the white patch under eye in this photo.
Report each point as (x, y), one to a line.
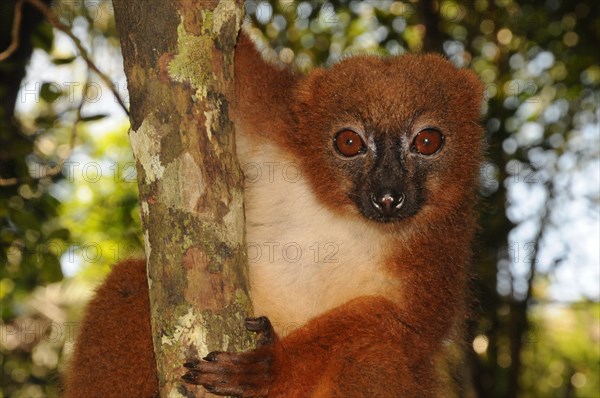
(372, 146)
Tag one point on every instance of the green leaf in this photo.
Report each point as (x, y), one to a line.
(63, 61)
(49, 270)
(50, 92)
(93, 117)
(61, 233)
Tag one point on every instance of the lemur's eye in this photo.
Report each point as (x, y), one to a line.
(427, 142)
(349, 143)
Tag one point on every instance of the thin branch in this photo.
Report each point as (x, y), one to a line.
(14, 45)
(78, 114)
(7, 182)
(56, 23)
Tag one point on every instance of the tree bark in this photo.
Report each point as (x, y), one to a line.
(178, 58)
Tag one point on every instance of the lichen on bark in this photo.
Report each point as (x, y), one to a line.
(191, 64)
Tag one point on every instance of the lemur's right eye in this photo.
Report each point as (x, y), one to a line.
(349, 143)
(428, 142)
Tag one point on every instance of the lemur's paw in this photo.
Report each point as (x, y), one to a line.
(247, 374)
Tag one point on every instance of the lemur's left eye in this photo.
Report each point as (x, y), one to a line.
(349, 143)
(427, 142)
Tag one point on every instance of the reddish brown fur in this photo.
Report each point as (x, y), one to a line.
(113, 355)
(262, 91)
(372, 346)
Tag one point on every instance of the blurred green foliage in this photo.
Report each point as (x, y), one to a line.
(68, 199)
(559, 359)
(68, 195)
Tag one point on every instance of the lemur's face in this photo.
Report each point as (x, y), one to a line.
(387, 171)
(391, 138)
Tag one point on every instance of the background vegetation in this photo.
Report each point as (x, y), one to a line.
(68, 201)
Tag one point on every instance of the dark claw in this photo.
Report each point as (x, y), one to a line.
(190, 377)
(191, 364)
(258, 325)
(211, 357)
(209, 388)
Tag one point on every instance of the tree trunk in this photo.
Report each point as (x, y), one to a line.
(179, 64)
(434, 38)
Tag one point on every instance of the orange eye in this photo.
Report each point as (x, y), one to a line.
(427, 142)
(349, 143)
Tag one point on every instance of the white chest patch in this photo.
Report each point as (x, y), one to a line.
(303, 258)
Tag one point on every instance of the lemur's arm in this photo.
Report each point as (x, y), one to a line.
(352, 351)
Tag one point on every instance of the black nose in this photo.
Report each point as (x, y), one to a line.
(388, 203)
